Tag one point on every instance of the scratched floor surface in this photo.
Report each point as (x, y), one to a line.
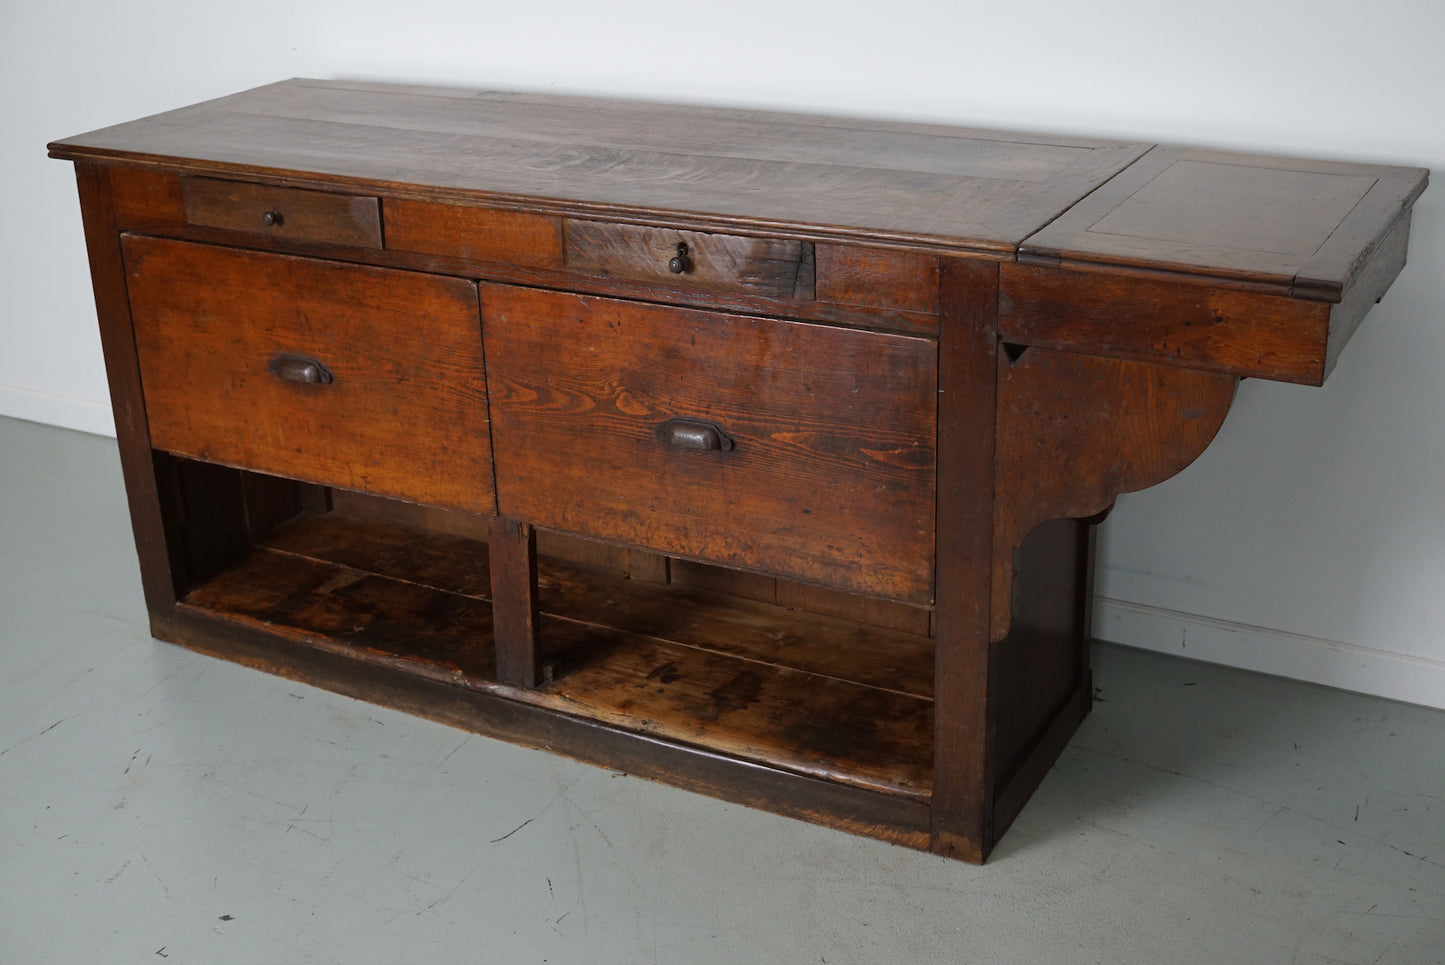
(156, 805)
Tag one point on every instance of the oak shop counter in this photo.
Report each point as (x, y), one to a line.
(755, 453)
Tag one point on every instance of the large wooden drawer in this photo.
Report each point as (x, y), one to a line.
(791, 448)
(364, 378)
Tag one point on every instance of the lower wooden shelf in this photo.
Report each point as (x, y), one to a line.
(798, 693)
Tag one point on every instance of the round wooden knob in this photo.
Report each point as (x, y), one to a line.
(679, 264)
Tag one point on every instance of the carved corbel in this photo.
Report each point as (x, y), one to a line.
(1074, 431)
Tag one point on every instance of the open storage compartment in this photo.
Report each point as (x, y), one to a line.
(628, 641)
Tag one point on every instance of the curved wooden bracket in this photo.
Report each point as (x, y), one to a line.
(1075, 431)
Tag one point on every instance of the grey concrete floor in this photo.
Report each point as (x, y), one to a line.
(157, 805)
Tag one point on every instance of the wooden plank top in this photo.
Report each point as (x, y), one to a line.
(1300, 228)
(1303, 228)
(921, 185)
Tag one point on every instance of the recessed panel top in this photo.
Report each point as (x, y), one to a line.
(1243, 207)
(1297, 226)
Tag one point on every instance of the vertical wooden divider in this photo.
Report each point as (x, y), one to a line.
(512, 550)
(967, 398)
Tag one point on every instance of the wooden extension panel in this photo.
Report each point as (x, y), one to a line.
(755, 453)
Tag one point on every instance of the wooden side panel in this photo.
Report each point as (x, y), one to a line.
(1044, 659)
(149, 480)
(1075, 431)
(473, 233)
(777, 268)
(829, 474)
(405, 413)
(1374, 277)
(1184, 323)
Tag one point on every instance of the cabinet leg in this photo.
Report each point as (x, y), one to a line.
(963, 720)
(513, 552)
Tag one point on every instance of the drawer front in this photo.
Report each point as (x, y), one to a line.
(290, 213)
(357, 377)
(771, 267)
(790, 448)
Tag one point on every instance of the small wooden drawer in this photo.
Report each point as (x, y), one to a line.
(357, 377)
(290, 213)
(789, 448)
(772, 267)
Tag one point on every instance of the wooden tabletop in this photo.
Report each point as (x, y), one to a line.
(1302, 228)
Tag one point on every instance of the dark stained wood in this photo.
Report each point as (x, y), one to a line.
(1293, 226)
(146, 197)
(832, 464)
(592, 552)
(149, 480)
(865, 181)
(851, 316)
(1179, 322)
(721, 579)
(751, 630)
(264, 209)
(962, 748)
(512, 549)
(817, 725)
(442, 561)
(777, 268)
(810, 560)
(1376, 273)
(850, 606)
(445, 636)
(209, 322)
(473, 233)
(213, 524)
(1016, 787)
(878, 278)
(687, 615)
(1044, 660)
(270, 501)
(435, 519)
(1075, 431)
(888, 817)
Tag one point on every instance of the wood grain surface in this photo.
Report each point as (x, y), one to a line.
(315, 216)
(473, 233)
(624, 674)
(1075, 431)
(831, 476)
(773, 267)
(406, 415)
(944, 187)
(1182, 322)
(1293, 226)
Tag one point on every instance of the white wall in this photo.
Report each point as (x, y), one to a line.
(1308, 541)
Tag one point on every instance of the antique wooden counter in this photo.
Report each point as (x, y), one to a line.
(755, 453)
